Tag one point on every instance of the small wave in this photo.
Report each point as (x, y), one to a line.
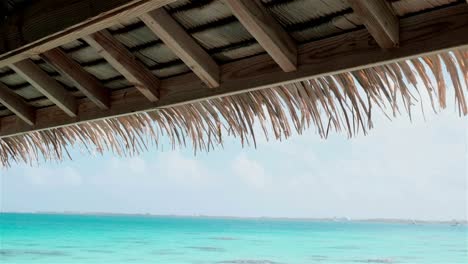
(345, 247)
(387, 261)
(248, 261)
(208, 249)
(167, 252)
(318, 257)
(100, 251)
(17, 252)
(223, 238)
(67, 246)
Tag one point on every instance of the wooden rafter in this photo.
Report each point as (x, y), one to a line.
(379, 19)
(63, 21)
(46, 85)
(445, 29)
(17, 105)
(183, 45)
(124, 62)
(84, 81)
(267, 31)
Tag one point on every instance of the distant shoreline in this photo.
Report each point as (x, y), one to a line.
(334, 219)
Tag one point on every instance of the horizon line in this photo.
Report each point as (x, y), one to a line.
(201, 216)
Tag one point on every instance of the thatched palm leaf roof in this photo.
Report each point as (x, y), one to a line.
(418, 54)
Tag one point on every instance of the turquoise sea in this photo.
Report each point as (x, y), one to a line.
(42, 238)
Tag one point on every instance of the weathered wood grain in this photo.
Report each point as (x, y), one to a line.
(46, 85)
(183, 45)
(379, 19)
(267, 31)
(17, 105)
(84, 81)
(124, 62)
(48, 24)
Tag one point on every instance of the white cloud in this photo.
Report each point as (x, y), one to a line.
(250, 171)
(52, 176)
(184, 170)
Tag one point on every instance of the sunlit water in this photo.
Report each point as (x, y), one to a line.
(34, 238)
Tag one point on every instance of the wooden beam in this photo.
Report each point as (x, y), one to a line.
(84, 81)
(445, 29)
(17, 105)
(46, 85)
(267, 31)
(183, 45)
(124, 62)
(379, 19)
(48, 24)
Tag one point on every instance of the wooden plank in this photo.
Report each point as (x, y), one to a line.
(124, 62)
(17, 105)
(46, 85)
(183, 45)
(36, 29)
(267, 31)
(83, 81)
(445, 29)
(379, 19)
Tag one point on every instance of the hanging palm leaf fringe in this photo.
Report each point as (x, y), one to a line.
(342, 103)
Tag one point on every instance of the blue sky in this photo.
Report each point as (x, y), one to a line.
(400, 170)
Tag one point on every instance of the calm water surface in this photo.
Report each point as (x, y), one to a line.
(36, 238)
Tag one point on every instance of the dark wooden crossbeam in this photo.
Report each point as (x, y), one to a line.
(379, 19)
(183, 45)
(84, 81)
(124, 62)
(48, 24)
(47, 85)
(267, 31)
(17, 105)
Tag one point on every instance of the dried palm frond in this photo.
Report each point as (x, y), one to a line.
(341, 102)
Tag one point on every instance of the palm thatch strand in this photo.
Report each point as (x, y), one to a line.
(343, 102)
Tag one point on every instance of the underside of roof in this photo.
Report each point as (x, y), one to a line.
(9, 7)
(340, 69)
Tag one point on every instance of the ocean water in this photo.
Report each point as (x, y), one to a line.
(41, 238)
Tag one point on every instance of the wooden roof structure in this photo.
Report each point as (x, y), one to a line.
(118, 74)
